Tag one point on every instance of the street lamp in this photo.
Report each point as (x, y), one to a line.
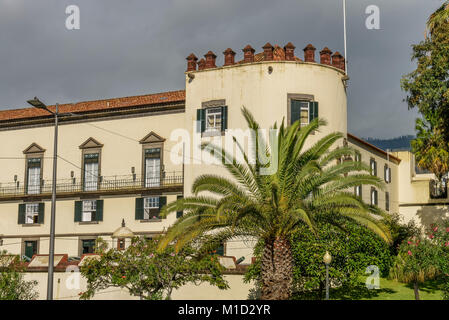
(40, 105)
(327, 261)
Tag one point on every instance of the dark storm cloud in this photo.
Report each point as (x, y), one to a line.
(135, 47)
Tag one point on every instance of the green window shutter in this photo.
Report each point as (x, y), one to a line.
(201, 118)
(40, 218)
(78, 210)
(139, 208)
(295, 111)
(162, 202)
(99, 213)
(21, 219)
(179, 213)
(224, 118)
(313, 110)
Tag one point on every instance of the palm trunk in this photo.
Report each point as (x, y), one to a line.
(416, 289)
(277, 269)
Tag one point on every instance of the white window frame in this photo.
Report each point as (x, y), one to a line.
(31, 213)
(387, 174)
(89, 209)
(150, 203)
(307, 109)
(373, 197)
(358, 191)
(373, 166)
(34, 177)
(214, 112)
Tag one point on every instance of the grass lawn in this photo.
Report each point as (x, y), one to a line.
(389, 290)
(392, 290)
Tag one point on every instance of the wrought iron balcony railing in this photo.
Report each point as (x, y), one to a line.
(131, 182)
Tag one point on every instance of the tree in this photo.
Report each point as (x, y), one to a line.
(430, 149)
(147, 273)
(424, 258)
(12, 283)
(271, 206)
(353, 249)
(427, 89)
(438, 18)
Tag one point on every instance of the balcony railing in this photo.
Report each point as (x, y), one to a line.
(104, 184)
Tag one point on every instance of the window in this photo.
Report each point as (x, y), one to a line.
(30, 248)
(33, 176)
(121, 244)
(148, 208)
(387, 174)
(358, 191)
(373, 197)
(88, 210)
(212, 120)
(31, 213)
(91, 172)
(303, 111)
(152, 167)
(387, 201)
(87, 246)
(358, 157)
(151, 208)
(373, 167)
(180, 213)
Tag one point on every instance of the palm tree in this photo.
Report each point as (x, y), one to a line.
(439, 17)
(270, 208)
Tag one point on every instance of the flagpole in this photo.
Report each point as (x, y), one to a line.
(344, 28)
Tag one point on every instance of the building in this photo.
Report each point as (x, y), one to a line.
(124, 158)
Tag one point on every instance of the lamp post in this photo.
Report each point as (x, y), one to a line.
(40, 105)
(327, 260)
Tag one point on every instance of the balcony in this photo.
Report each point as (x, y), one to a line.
(437, 189)
(106, 185)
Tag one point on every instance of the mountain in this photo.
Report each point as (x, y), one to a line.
(399, 143)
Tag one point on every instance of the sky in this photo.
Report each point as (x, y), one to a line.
(133, 47)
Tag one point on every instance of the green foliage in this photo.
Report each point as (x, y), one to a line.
(12, 283)
(428, 90)
(304, 183)
(270, 201)
(148, 273)
(400, 231)
(424, 258)
(430, 148)
(353, 249)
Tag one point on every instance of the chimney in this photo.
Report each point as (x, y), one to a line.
(325, 56)
(248, 54)
(289, 52)
(191, 62)
(337, 58)
(343, 64)
(229, 55)
(268, 52)
(309, 53)
(210, 60)
(202, 64)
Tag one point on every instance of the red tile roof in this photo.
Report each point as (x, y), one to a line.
(86, 106)
(373, 147)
